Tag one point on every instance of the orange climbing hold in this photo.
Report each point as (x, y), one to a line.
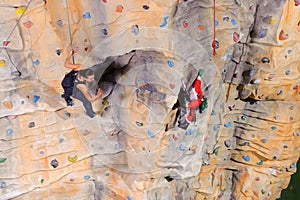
(8, 104)
(200, 27)
(283, 36)
(119, 8)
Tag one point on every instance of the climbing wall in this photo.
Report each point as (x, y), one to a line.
(242, 143)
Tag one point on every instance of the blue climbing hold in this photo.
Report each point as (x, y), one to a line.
(233, 22)
(165, 22)
(293, 165)
(135, 29)
(36, 98)
(22, 102)
(104, 31)
(217, 23)
(117, 146)
(36, 62)
(263, 33)
(59, 23)
(246, 158)
(9, 132)
(31, 125)
(87, 177)
(182, 148)
(3, 184)
(67, 114)
(265, 60)
(213, 112)
(129, 197)
(87, 15)
(229, 124)
(61, 140)
(190, 132)
(151, 134)
(170, 63)
(288, 72)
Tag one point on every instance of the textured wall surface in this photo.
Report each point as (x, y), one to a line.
(243, 145)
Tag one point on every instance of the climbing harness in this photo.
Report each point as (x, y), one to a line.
(5, 43)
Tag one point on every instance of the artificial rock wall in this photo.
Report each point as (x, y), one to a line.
(243, 146)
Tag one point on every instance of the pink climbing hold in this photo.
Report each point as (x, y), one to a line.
(185, 24)
(236, 37)
(28, 24)
(172, 86)
(6, 43)
(297, 2)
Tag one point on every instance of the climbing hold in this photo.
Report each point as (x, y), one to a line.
(182, 148)
(105, 102)
(288, 72)
(274, 128)
(42, 152)
(119, 8)
(145, 7)
(229, 124)
(201, 28)
(293, 165)
(285, 146)
(265, 60)
(215, 44)
(27, 24)
(226, 19)
(236, 37)
(54, 163)
(244, 117)
(20, 10)
(87, 15)
(216, 150)
(233, 22)
(59, 23)
(36, 98)
(42, 180)
(2, 63)
(279, 92)
(104, 31)
(283, 35)
(165, 22)
(117, 146)
(135, 29)
(72, 159)
(67, 114)
(172, 86)
(227, 143)
(139, 124)
(58, 52)
(264, 140)
(151, 134)
(129, 197)
(297, 2)
(8, 104)
(185, 24)
(263, 33)
(295, 87)
(3, 184)
(2, 160)
(216, 127)
(190, 132)
(213, 112)
(6, 43)
(255, 81)
(272, 20)
(61, 140)
(105, 1)
(263, 191)
(260, 162)
(31, 125)
(170, 63)
(216, 23)
(246, 158)
(9, 132)
(246, 143)
(87, 177)
(36, 62)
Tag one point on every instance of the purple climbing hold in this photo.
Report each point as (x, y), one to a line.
(31, 125)
(59, 23)
(58, 52)
(265, 60)
(146, 7)
(54, 163)
(104, 31)
(135, 29)
(263, 33)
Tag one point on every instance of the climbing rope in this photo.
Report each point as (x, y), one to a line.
(70, 32)
(18, 22)
(215, 42)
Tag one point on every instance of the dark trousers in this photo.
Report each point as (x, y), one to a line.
(67, 93)
(86, 103)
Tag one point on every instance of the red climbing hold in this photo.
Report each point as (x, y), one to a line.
(185, 24)
(297, 2)
(6, 43)
(28, 24)
(283, 36)
(236, 37)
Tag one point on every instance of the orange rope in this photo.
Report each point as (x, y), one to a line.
(214, 42)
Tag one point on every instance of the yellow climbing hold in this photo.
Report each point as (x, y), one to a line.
(272, 20)
(72, 158)
(2, 63)
(20, 10)
(8, 104)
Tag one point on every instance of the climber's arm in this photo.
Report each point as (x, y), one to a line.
(70, 65)
(86, 93)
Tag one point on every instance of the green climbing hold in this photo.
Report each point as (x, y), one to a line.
(139, 123)
(201, 72)
(260, 162)
(42, 180)
(274, 128)
(2, 160)
(263, 191)
(216, 150)
(244, 117)
(216, 127)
